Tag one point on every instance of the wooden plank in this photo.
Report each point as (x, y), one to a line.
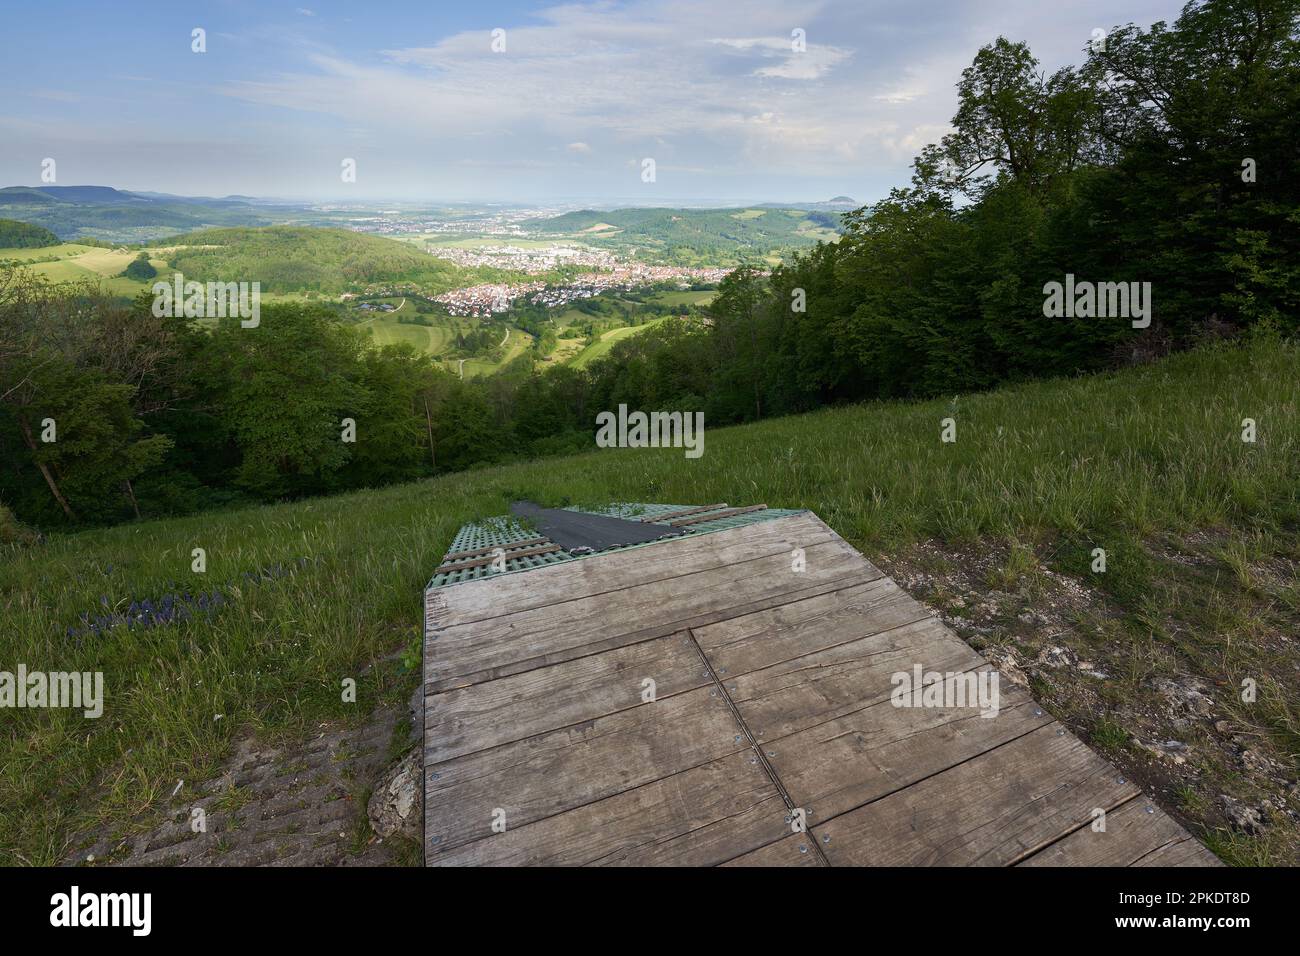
(488, 549)
(991, 811)
(524, 640)
(464, 720)
(542, 776)
(701, 817)
(753, 641)
(717, 515)
(506, 555)
(795, 850)
(490, 597)
(1134, 832)
(794, 695)
(684, 512)
(1186, 852)
(842, 764)
(534, 708)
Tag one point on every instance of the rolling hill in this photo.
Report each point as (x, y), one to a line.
(307, 259)
(22, 235)
(696, 236)
(75, 212)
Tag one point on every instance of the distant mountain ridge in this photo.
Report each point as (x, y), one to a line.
(684, 235)
(835, 204)
(680, 235)
(118, 215)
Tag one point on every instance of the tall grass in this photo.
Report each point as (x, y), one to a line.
(1113, 456)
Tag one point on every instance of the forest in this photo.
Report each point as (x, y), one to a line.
(1167, 156)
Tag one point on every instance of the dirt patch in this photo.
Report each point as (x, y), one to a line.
(1157, 678)
(299, 804)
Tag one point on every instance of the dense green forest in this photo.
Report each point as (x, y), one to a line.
(22, 235)
(1167, 157)
(302, 259)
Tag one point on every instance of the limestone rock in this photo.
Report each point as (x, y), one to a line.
(397, 806)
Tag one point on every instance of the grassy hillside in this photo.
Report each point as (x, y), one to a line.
(286, 260)
(299, 259)
(1147, 463)
(696, 236)
(75, 262)
(607, 341)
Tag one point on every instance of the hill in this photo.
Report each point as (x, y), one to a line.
(115, 215)
(105, 195)
(21, 235)
(302, 258)
(23, 195)
(696, 236)
(996, 529)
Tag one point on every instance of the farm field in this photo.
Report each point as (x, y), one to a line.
(439, 337)
(385, 329)
(74, 262)
(517, 344)
(1201, 584)
(700, 297)
(607, 341)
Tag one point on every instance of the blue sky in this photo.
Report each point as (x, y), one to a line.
(582, 93)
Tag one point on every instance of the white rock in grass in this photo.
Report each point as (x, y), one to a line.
(395, 805)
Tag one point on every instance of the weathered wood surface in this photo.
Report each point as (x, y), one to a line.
(490, 548)
(497, 554)
(716, 515)
(1135, 834)
(684, 512)
(520, 640)
(687, 702)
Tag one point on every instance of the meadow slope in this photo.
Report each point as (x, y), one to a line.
(317, 591)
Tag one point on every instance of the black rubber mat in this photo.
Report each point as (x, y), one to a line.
(579, 532)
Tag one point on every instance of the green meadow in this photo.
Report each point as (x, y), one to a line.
(322, 590)
(607, 341)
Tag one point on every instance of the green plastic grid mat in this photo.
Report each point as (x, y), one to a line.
(505, 532)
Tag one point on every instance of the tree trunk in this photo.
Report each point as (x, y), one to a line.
(49, 478)
(428, 422)
(130, 493)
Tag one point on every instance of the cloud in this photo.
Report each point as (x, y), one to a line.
(718, 93)
(798, 61)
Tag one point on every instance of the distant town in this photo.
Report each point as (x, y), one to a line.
(489, 298)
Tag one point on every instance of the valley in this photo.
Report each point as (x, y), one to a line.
(453, 289)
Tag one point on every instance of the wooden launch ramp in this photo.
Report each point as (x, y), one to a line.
(692, 700)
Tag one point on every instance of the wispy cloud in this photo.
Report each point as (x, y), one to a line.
(778, 98)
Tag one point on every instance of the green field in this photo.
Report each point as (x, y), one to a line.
(386, 330)
(1147, 463)
(439, 338)
(700, 297)
(73, 262)
(517, 344)
(607, 341)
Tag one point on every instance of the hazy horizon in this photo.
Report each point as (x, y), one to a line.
(370, 202)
